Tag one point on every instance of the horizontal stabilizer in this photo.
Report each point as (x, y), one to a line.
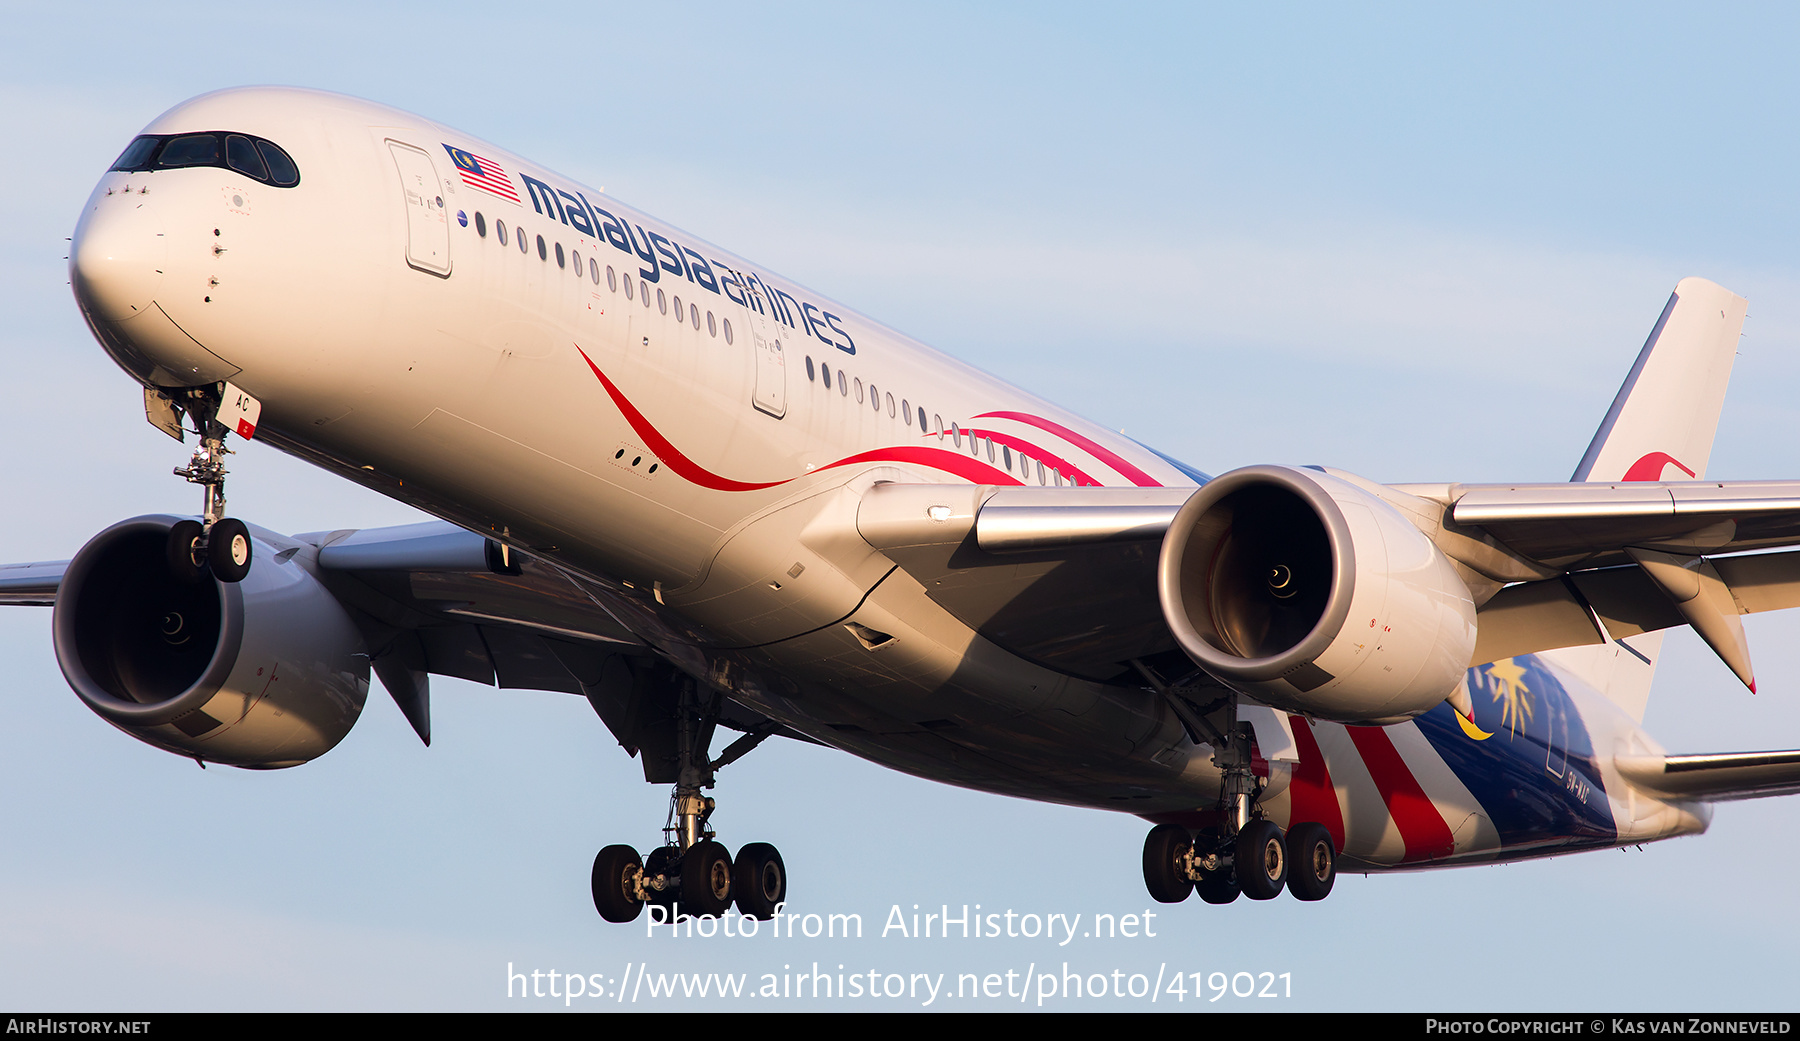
(1714, 778)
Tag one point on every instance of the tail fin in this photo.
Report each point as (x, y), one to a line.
(1660, 428)
(1661, 424)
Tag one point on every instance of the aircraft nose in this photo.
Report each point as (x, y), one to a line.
(118, 256)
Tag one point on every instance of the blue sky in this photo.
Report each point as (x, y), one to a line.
(1418, 243)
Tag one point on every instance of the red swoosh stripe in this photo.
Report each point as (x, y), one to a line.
(1422, 827)
(937, 458)
(1068, 469)
(1088, 444)
(668, 453)
(1311, 793)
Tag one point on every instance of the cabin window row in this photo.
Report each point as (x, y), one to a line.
(998, 454)
(683, 312)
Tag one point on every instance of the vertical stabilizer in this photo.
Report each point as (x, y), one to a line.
(1661, 424)
(1660, 428)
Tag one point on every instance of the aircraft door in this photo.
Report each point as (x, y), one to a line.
(770, 395)
(427, 226)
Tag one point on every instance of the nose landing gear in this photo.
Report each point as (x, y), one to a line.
(216, 543)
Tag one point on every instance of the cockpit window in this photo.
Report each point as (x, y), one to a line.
(137, 153)
(190, 150)
(240, 155)
(253, 157)
(282, 171)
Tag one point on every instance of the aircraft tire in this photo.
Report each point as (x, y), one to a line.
(1165, 850)
(186, 562)
(616, 870)
(706, 879)
(228, 549)
(1312, 861)
(1262, 861)
(759, 880)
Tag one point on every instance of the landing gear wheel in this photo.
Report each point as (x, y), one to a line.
(616, 872)
(187, 560)
(706, 878)
(1312, 860)
(228, 549)
(1261, 863)
(1217, 887)
(1165, 863)
(759, 880)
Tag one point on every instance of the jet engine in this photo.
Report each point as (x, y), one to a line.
(1312, 595)
(264, 673)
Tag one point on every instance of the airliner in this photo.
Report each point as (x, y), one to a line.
(706, 498)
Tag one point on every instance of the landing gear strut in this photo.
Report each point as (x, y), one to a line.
(1245, 853)
(214, 543)
(692, 873)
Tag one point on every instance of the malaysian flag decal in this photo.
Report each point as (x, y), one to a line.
(482, 173)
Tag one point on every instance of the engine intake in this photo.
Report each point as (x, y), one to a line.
(1312, 595)
(264, 673)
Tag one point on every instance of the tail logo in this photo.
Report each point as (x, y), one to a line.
(1650, 467)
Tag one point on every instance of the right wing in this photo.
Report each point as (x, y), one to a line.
(1714, 778)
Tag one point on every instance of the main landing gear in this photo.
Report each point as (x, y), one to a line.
(216, 544)
(692, 873)
(1245, 853)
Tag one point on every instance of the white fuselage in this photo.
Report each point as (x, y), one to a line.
(588, 414)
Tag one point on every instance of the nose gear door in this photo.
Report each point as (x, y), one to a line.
(427, 227)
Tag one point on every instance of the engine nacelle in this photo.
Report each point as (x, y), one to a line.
(1313, 595)
(264, 673)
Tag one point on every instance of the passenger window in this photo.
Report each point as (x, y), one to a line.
(810, 374)
(694, 313)
(240, 155)
(524, 246)
(956, 434)
(890, 401)
(844, 386)
(612, 282)
(727, 330)
(826, 369)
(480, 224)
(937, 423)
(712, 327)
(859, 397)
(500, 231)
(1006, 453)
(906, 410)
(544, 250)
(678, 315)
(561, 261)
(594, 270)
(575, 260)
